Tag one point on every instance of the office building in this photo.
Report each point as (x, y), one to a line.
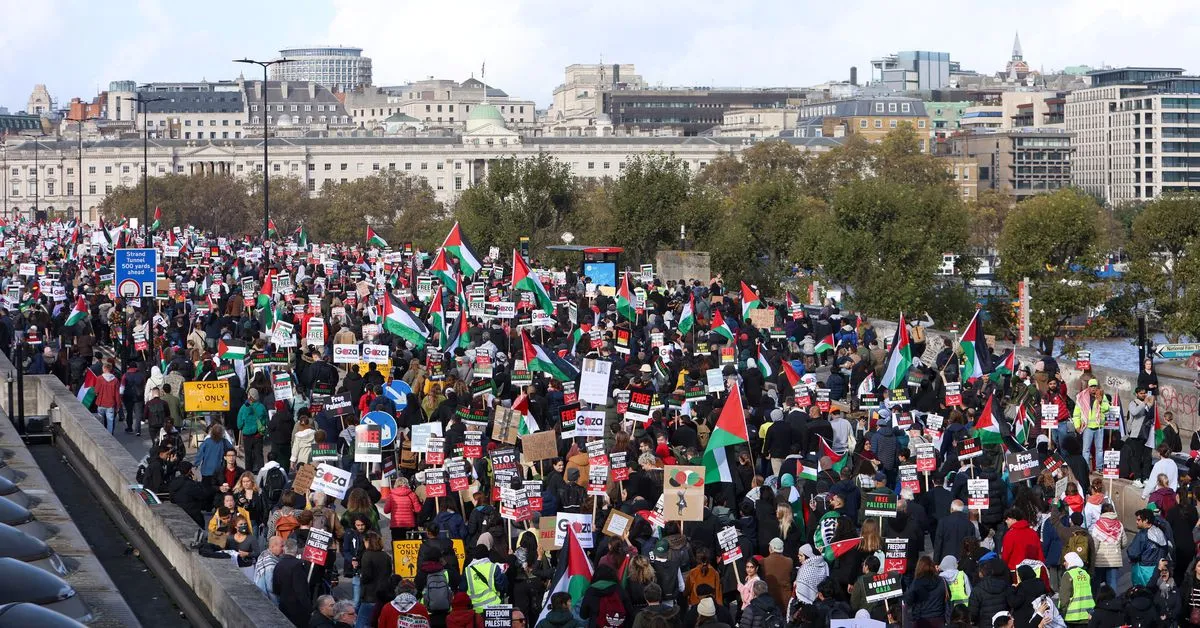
(913, 70)
(204, 110)
(1133, 133)
(870, 117)
(336, 68)
(1017, 162)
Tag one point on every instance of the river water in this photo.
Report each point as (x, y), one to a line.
(1118, 353)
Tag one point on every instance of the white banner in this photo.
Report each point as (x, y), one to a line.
(593, 381)
(345, 354)
(331, 481)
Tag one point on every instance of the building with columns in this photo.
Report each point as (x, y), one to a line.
(450, 164)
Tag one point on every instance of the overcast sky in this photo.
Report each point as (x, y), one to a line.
(76, 47)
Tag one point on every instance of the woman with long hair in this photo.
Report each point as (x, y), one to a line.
(872, 540)
(926, 596)
(359, 502)
(702, 573)
(789, 531)
(746, 588)
(247, 496)
(640, 574)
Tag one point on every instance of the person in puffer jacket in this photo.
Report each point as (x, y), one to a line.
(403, 505)
(990, 595)
(1110, 540)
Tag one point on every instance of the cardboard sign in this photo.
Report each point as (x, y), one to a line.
(714, 381)
(763, 318)
(953, 394)
(1112, 464)
(504, 465)
(340, 405)
(683, 492)
(472, 445)
(880, 504)
(345, 354)
(282, 386)
(1049, 416)
(641, 401)
(728, 355)
(368, 445)
(206, 396)
(581, 523)
(883, 587)
(539, 446)
(969, 448)
(934, 423)
(421, 433)
(1022, 466)
(302, 481)
(332, 481)
(895, 555)
(617, 524)
(506, 424)
(909, 479)
(823, 403)
(977, 494)
(316, 549)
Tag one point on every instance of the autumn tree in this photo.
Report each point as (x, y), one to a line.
(1164, 250)
(532, 197)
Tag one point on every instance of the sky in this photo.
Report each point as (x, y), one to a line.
(75, 47)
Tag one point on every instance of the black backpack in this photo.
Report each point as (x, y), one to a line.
(273, 485)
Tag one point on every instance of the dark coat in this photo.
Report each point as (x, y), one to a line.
(290, 582)
(951, 531)
(990, 595)
(926, 597)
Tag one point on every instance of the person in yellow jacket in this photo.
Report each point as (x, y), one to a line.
(1090, 408)
(1075, 600)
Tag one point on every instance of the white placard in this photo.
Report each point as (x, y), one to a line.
(582, 524)
(593, 382)
(331, 481)
(421, 433)
(715, 380)
(589, 423)
(379, 354)
(316, 332)
(345, 354)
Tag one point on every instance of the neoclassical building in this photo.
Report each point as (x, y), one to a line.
(451, 164)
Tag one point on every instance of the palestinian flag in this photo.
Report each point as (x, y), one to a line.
(162, 362)
(302, 238)
(1022, 426)
(373, 239)
(838, 460)
(271, 230)
(976, 361)
(157, 224)
(764, 366)
(234, 350)
(625, 306)
(525, 279)
(528, 424)
(987, 427)
(462, 327)
(577, 336)
(750, 301)
(808, 470)
(1005, 365)
(687, 318)
(398, 320)
(827, 344)
(78, 313)
(265, 293)
(442, 271)
(574, 573)
(437, 316)
(895, 374)
(792, 376)
(539, 360)
(730, 430)
(719, 327)
(87, 392)
(456, 244)
(1156, 437)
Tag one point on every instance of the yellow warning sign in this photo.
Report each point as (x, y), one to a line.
(206, 396)
(404, 557)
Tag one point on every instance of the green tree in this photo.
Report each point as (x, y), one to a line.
(1055, 240)
(400, 207)
(648, 203)
(291, 204)
(531, 197)
(987, 214)
(1164, 250)
(218, 202)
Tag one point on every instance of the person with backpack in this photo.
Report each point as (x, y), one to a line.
(273, 480)
(656, 614)
(1149, 546)
(437, 585)
(157, 413)
(1075, 538)
(605, 604)
(252, 423)
(1110, 540)
(762, 611)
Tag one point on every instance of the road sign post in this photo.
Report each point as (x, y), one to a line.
(1177, 351)
(136, 273)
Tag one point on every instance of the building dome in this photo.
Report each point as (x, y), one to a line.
(483, 116)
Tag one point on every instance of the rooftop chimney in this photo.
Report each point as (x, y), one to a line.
(283, 90)
(853, 75)
(312, 90)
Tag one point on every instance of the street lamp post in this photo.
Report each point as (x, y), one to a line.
(4, 180)
(80, 122)
(266, 135)
(142, 101)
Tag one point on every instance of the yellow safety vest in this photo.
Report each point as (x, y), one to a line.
(1081, 605)
(481, 585)
(958, 588)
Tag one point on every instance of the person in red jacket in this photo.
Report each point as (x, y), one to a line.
(404, 605)
(1020, 541)
(108, 397)
(403, 504)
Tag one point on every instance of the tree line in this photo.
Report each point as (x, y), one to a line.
(873, 219)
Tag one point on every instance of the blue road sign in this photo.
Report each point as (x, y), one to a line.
(398, 391)
(136, 271)
(384, 421)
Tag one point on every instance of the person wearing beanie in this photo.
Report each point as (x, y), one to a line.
(777, 442)
(777, 571)
(1075, 600)
(812, 572)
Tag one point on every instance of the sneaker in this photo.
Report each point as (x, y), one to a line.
(138, 434)
(1137, 483)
